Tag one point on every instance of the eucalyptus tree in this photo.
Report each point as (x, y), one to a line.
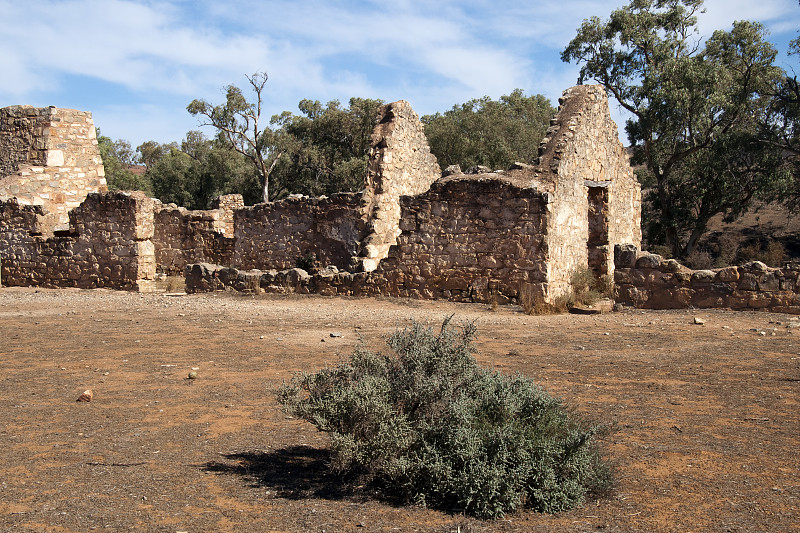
(239, 125)
(494, 133)
(696, 108)
(325, 146)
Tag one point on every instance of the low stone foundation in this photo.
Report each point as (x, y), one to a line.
(647, 281)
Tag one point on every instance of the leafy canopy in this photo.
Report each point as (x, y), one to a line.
(493, 133)
(326, 148)
(696, 110)
(197, 171)
(118, 160)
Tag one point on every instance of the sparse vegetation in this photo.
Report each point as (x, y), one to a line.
(585, 289)
(306, 261)
(772, 253)
(700, 260)
(428, 425)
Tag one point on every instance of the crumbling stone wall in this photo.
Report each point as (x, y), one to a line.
(596, 199)
(480, 237)
(400, 164)
(276, 234)
(464, 237)
(183, 236)
(49, 157)
(108, 244)
(647, 281)
(469, 238)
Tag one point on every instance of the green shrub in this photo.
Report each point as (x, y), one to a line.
(306, 261)
(427, 424)
(588, 289)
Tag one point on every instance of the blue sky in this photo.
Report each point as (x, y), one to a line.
(136, 64)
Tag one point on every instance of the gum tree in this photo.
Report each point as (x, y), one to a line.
(326, 147)
(239, 125)
(696, 110)
(495, 133)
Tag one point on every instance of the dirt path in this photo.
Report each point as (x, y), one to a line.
(706, 416)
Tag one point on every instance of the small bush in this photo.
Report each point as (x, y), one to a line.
(588, 289)
(427, 424)
(306, 262)
(699, 260)
(728, 249)
(774, 254)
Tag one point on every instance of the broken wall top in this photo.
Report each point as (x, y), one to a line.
(584, 135)
(582, 139)
(400, 164)
(50, 157)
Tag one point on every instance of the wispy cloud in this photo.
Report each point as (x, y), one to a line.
(151, 57)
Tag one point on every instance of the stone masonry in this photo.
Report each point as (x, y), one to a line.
(183, 236)
(325, 230)
(488, 236)
(647, 281)
(108, 244)
(411, 232)
(49, 157)
(400, 164)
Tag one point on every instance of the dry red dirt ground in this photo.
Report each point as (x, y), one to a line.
(706, 424)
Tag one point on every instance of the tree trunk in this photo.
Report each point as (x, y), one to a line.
(671, 237)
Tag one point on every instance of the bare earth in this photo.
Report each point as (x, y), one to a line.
(706, 424)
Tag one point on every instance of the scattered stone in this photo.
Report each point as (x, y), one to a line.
(699, 321)
(450, 170)
(87, 396)
(192, 375)
(336, 335)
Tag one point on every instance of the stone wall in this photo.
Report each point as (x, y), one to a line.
(468, 239)
(275, 235)
(400, 164)
(182, 236)
(481, 237)
(596, 199)
(49, 157)
(474, 237)
(477, 238)
(108, 244)
(647, 281)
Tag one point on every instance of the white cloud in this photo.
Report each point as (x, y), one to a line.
(721, 14)
(141, 47)
(154, 56)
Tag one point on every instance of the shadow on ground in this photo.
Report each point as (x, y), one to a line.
(296, 472)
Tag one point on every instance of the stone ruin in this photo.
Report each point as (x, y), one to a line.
(479, 236)
(49, 157)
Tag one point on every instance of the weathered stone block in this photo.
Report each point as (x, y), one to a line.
(728, 274)
(703, 276)
(748, 282)
(670, 265)
(768, 281)
(648, 260)
(754, 267)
